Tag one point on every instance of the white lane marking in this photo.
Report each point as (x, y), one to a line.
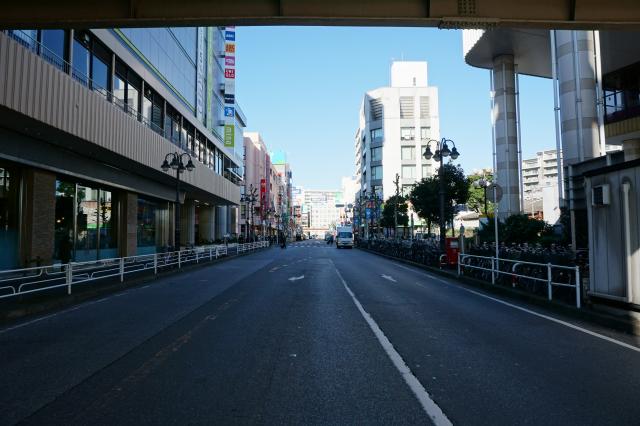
(428, 405)
(390, 278)
(296, 278)
(274, 269)
(529, 311)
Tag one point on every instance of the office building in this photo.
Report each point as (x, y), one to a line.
(396, 123)
(323, 209)
(86, 120)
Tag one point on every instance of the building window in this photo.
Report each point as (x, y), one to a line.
(408, 152)
(376, 134)
(9, 215)
(126, 89)
(152, 225)
(376, 172)
(152, 110)
(426, 171)
(376, 109)
(408, 172)
(407, 133)
(406, 107)
(81, 58)
(54, 49)
(425, 133)
(376, 154)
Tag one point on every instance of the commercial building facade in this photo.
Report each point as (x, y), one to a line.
(87, 118)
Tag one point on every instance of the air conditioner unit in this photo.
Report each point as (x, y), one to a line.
(600, 195)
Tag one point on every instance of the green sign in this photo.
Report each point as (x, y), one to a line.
(229, 134)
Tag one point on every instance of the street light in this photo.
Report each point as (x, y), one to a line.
(484, 184)
(442, 151)
(177, 165)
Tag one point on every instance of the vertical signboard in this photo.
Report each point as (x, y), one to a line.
(210, 81)
(200, 74)
(263, 196)
(229, 85)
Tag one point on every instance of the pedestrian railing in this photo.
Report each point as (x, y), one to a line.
(18, 282)
(530, 276)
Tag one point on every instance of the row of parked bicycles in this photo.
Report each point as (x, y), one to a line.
(521, 266)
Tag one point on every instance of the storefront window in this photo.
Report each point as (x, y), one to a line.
(9, 216)
(85, 224)
(108, 238)
(153, 225)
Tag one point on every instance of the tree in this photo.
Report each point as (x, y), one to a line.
(425, 196)
(475, 200)
(388, 212)
(424, 199)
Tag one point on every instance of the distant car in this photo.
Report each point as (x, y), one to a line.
(344, 237)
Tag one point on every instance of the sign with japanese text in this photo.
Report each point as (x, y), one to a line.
(229, 86)
(229, 135)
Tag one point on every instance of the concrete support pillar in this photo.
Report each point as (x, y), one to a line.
(39, 201)
(233, 220)
(188, 223)
(506, 134)
(128, 221)
(221, 221)
(207, 223)
(575, 56)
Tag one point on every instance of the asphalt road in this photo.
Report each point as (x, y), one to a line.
(313, 335)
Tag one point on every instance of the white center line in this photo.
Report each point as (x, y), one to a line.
(428, 405)
(529, 311)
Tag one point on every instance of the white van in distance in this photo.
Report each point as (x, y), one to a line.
(344, 237)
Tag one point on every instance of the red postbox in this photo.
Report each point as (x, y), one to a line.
(452, 248)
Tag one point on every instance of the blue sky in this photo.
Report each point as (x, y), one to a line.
(301, 88)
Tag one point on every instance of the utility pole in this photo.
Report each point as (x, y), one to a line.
(395, 206)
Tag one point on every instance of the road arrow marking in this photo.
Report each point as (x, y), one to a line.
(387, 277)
(296, 278)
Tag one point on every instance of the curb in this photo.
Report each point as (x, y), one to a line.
(41, 304)
(628, 326)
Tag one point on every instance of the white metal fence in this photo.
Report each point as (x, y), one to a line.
(18, 282)
(530, 276)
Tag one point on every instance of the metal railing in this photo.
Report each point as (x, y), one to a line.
(530, 276)
(17, 282)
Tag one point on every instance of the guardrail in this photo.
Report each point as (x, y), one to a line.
(528, 275)
(17, 282)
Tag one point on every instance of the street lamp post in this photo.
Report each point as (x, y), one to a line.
(442, 151)
(177, 165)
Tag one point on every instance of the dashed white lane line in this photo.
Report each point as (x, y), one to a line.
(432, 410)
(529, 311)
(389, 278)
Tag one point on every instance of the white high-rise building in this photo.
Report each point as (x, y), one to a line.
(396, 122)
